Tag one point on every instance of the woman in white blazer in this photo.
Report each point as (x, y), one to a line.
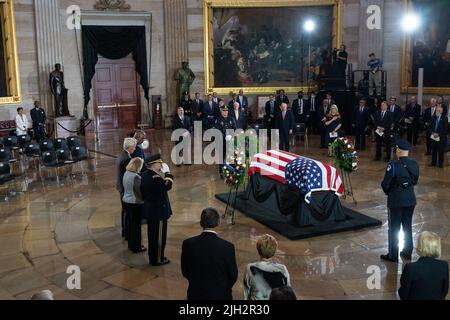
(21, 122)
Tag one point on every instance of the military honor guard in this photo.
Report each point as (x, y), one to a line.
(155, 184)
(38, 117)
(398, 184)
(223, 123)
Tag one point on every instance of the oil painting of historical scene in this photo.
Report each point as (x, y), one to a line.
(268, 47)
(431, 44)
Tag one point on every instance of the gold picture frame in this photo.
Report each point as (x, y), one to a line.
(209, 5)
(406, 62)
(10, 52)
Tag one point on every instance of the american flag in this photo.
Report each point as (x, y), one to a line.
(293, 170)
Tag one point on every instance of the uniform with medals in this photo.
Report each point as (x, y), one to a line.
(157, 210)
(223, 123)
(398, 184)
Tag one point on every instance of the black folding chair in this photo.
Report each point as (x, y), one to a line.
(79, 154)
(301, 132)
(11, 142)
(6, 156)
(60, 143)
(5, 178)
(73, 142)
(23, 140)
(50, 160)
(46, 145)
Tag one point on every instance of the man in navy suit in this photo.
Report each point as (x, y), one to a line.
(284, 122)
(209, 113)
(271, 109)
(243, 101)
(238, 117)
(439, 141)
(209, 262)
(394, 108)
(361, 116)
(383, 125)
(181, 121)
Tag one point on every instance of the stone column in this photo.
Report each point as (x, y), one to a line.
(176, 40)
(49, 50)
(370, 40)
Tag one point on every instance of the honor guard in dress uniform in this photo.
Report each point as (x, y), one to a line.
(398, 184)
(155, 184)
(38, 117)
(223, 123)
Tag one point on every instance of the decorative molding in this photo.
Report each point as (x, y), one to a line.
(112, 5)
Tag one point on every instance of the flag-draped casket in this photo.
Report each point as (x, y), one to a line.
(304, 189)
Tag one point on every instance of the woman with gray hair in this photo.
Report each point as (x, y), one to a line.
(427, 278)
(132, 200)
(263, 276)
(129, 146)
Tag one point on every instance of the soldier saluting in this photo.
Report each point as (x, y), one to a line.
(155, 184)
(398, 184)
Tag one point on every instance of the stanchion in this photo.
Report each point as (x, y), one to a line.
(231, 205)
(348, 189)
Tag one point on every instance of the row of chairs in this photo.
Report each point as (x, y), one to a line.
(19, 142)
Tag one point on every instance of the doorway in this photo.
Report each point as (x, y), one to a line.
(116, 94)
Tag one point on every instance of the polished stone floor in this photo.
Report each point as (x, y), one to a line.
(52, 224)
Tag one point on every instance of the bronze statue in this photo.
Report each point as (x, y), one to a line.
(59, 92)
(185, 78)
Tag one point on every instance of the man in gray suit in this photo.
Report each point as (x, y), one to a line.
(129, 146)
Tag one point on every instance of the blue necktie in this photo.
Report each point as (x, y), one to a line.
(437, 124)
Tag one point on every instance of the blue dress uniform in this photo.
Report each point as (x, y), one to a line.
(223, 124)
(398, 184)
(157, 210)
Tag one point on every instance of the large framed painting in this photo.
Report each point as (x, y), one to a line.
(9, 70)
(261, 46)
(428, 48)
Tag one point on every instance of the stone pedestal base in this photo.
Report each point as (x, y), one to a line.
(66, 127)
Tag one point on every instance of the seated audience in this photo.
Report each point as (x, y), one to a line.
(209, 262)
(283, 293)
(132, 200)
(427, 278)
(263, 276)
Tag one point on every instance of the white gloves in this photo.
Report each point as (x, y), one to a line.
(145, 144)
(165, 168)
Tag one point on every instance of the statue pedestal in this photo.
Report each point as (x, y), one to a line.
(66, 127)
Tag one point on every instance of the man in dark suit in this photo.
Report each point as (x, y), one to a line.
(155, 184)
(215, 98)
(232, 101)
(361, 116)
(439, 137)
(38, 117)
(282, 98)
(428, 116)
(243, 101)
(181, 121)
(284, 122)
(122, 160)
(300, 109)
(208, 262)
(321, 119)
(412, 119)
(186, 104)
(238, 117)
(427, 278)
(209, 113)
(329, 99)
(197, 107)
(271, 111)
(398, 184)
(440, 102)
(383, 125)
(395, 110)
(313, 107)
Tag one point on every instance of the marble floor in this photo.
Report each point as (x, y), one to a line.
(49, 225)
